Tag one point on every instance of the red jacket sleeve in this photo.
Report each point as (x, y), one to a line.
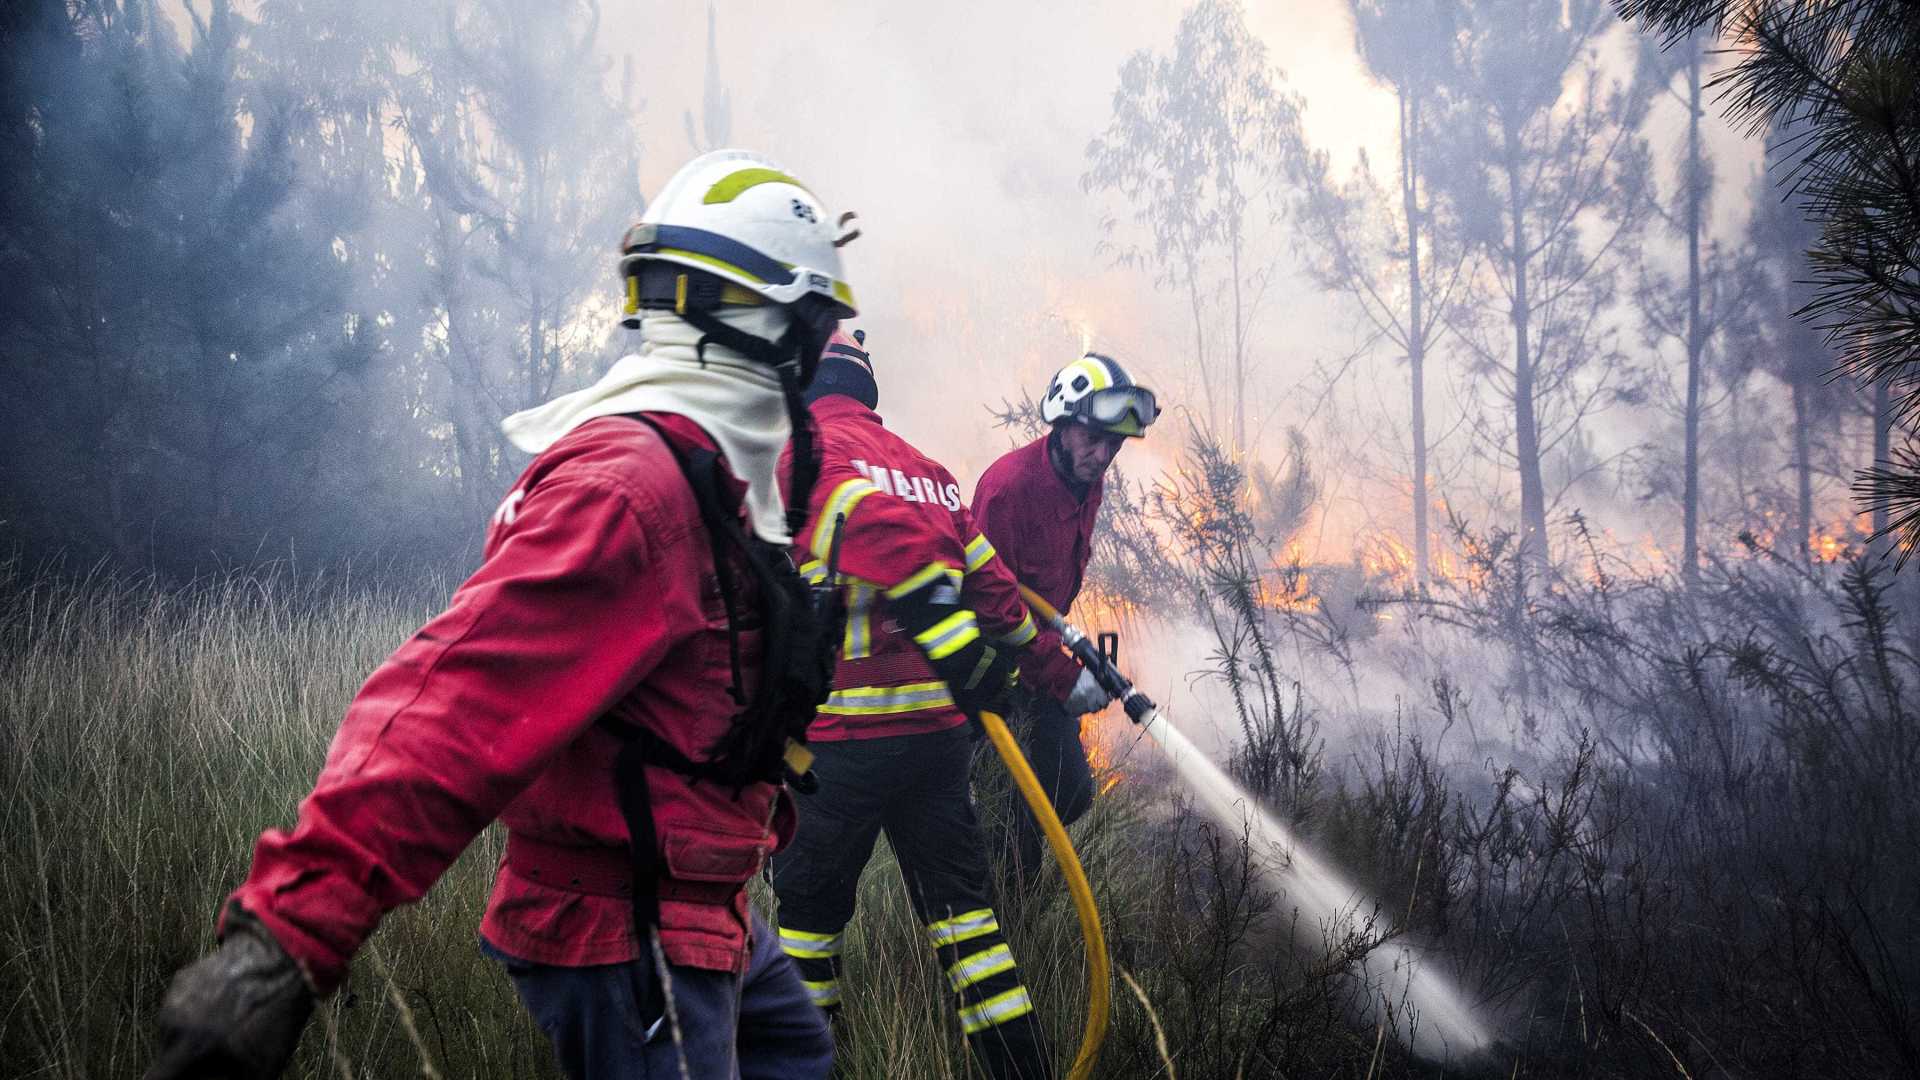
(990, 589)
(564, 617)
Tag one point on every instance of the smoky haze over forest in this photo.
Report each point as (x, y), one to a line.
(1496, 542)
(427, 203)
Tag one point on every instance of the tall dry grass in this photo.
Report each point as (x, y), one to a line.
(1692, 853)
(148, 733)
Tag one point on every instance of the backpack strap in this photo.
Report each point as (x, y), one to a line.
(720, 513)
(740, 756)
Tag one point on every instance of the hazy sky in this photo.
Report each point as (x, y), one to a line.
(959, 133)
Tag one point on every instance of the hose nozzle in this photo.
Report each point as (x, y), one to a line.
(1139, 706)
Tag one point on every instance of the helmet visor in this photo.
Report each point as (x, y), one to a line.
(1126, 410)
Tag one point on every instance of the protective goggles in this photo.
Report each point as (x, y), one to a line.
(1124, 410)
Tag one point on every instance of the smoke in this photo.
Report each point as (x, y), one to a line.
(961, 137)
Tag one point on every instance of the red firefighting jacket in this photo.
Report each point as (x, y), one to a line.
(1044, 534)
(903, 519)
(597, 594)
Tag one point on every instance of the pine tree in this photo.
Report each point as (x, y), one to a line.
(1843, 77)
(1547, 152)
(1391, 250)
(174, 313)
(1692, 312)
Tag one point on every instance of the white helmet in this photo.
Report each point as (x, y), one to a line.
(1096, 391)
(740, 217)
(732, 227)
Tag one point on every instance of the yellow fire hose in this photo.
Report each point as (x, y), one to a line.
(1098, 975)
(1096, 940)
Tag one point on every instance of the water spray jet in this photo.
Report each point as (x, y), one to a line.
(1429, 1015)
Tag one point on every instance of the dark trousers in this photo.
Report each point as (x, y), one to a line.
(759, 1026)
(915, 787)
(1051, 740)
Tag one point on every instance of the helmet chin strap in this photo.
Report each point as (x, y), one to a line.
(805, 468)
(788, 358)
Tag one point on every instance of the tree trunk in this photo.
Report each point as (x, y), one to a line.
(1690, 497)
(1526, 432)
(1239, 352)
(1803, 468)
(1416, 329)
(1200, 341)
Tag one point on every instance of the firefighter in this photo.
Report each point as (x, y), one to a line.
(1037, 505)
(933, 625)
(581, 687)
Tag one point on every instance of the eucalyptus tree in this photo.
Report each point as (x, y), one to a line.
(1204, 146)
(716, 101)
(531, 161)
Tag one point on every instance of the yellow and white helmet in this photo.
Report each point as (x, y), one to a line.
(1095, 390)
(740, 217)
(734, 228)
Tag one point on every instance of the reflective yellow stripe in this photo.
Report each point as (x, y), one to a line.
(979, 553)
(962, 927)
(859, 636)
(996, 1010)
(825, 993)
(809, 946)
(949, 635)
(881, 700)
(933, 571)
(1023, 633)
(839, 504)
(1094, 370)
(729, 187)
(980, 967)
(858, 641)
(844, 293)
(718, 264)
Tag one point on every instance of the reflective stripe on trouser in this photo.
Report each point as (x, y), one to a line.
(817, 955)
(915, 787)
(994, 1008)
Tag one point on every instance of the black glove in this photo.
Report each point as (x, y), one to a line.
(978, 674)
(236, 1014)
